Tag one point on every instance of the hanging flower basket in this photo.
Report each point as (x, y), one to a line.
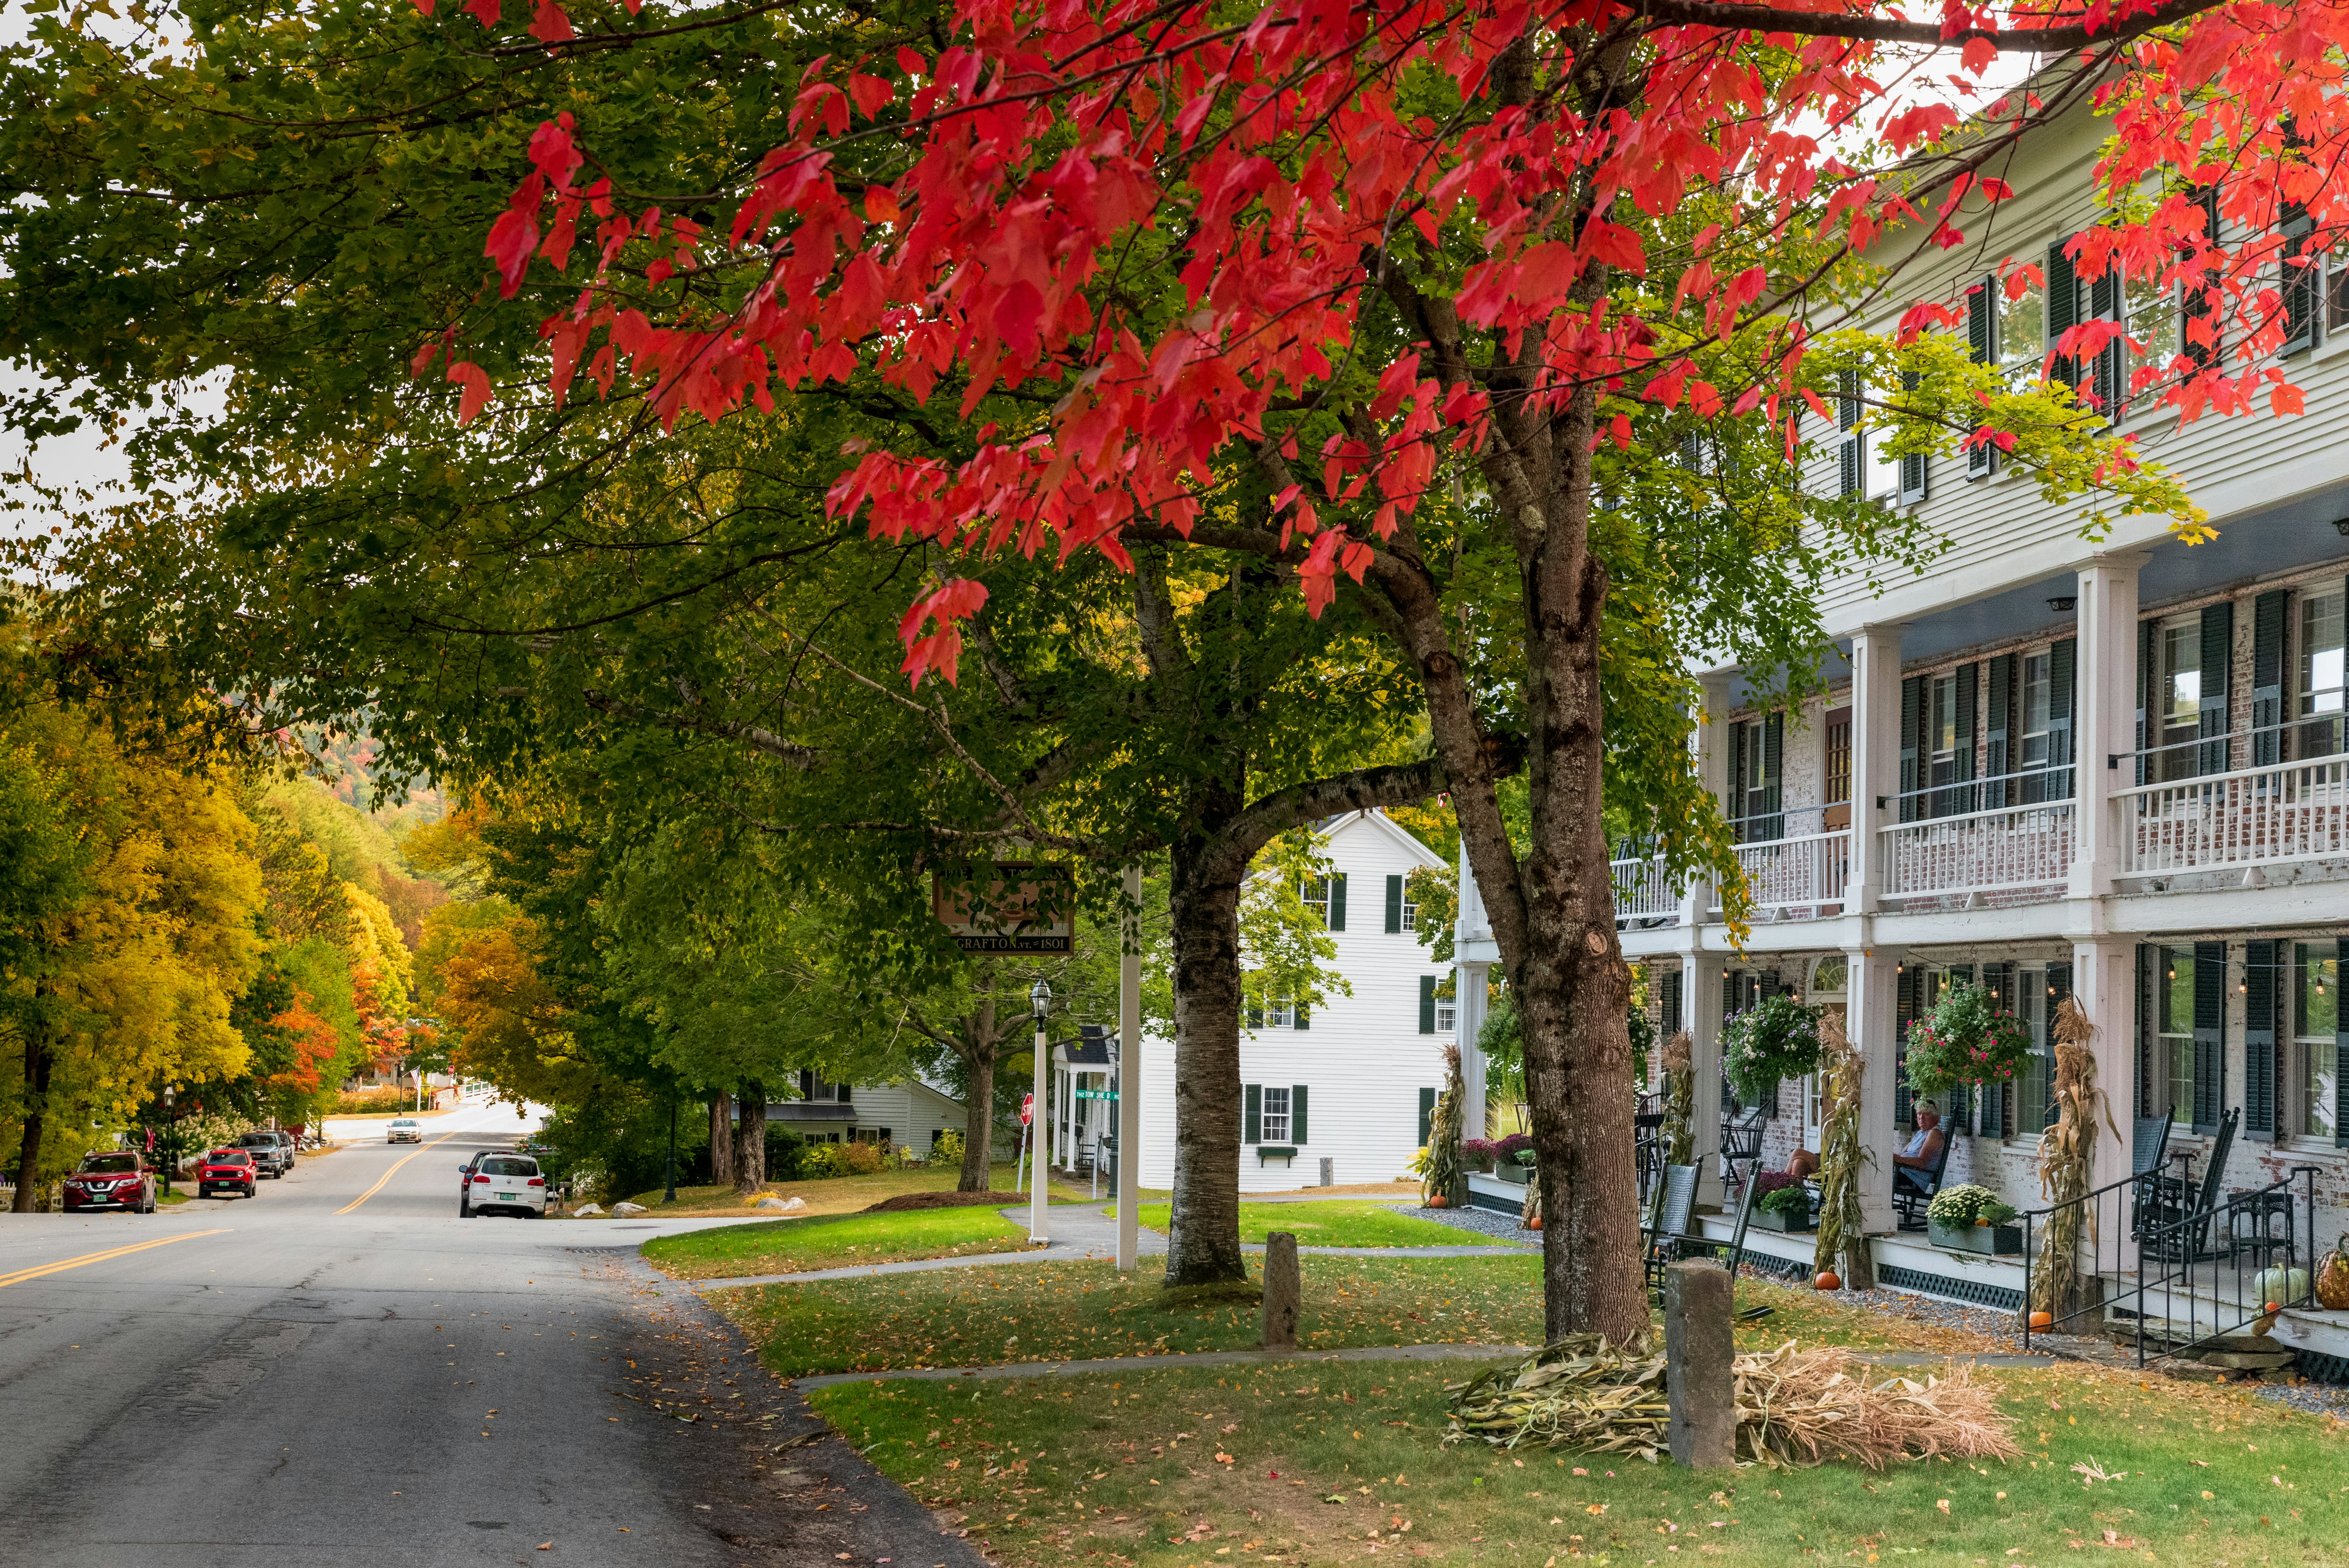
(1967, 1038)
(1777, 1039)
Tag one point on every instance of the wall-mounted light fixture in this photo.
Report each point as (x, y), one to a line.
(2062, 604)
(2341, 527)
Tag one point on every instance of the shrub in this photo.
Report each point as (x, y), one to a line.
(784, 1149)
(1777, 1039)
(1788, 1200)
(947, 1149)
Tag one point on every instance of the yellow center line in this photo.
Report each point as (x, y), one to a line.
(23, 1274)
(390, 1174)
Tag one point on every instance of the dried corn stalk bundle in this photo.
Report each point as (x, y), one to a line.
(1679, 1100)
(1842, 1243)
(1795, 1407)
(1445, 1175)
(2067, 1153)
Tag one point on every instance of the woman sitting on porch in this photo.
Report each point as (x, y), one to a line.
(1924, 1148)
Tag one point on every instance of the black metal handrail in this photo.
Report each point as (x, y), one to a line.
(2235, 1239)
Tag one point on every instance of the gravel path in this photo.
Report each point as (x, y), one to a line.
(1483, 1221)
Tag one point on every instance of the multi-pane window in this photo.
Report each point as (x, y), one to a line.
(2031, 1007)
(2316, 1013)
(2178, 700)
(2038, 725)
(1838, 762)
(2153, 322)
(1316, 895)
(1410, 913)
(2174, 995)
(1276, 1113)
(1446, 1015)
(1758, 768)
(2021, 332)
(1942, 741)
(1280, 1013)
(2336, 296)
(2320, 684)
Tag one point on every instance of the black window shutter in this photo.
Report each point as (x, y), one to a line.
(2063, 665)
(2209, 1033)
(1904, 1007)
(2147, 957)
(2259, 1074)
(1427, 1004)
(2059, 986)
(1297, 1113)
(1738, 825)
(1672, 1004)
(1969, 679)
(1982, 347)
(1852, 471)
(1912, 723)
(1252, 1113)
(2299, 277)
(2107, 370)
(2149, 649)
(1337, 900)
(2268, 632)
(2200, 301)
(1427, 1113)
(1996, 752)
(1729, 989)
(1256, 1015)
(1302, 1014)
(2217, 656)
(1773, 755)
(1395, 904)
(2063, 312)
(1912, 464)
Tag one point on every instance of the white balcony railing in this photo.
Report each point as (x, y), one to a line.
(1997, 851)
(2250, 817)
(1801, 876)
(1641, 890)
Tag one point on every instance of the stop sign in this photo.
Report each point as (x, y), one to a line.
(1027, 1108)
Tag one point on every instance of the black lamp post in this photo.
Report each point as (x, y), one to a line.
(672, 1144)
(1040, 1002)
(171, 1135)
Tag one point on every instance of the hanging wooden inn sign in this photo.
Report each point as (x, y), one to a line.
(1005, 906)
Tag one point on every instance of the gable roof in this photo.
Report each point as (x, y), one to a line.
(1377, 821)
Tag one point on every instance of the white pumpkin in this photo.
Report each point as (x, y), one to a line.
(2281, 1286)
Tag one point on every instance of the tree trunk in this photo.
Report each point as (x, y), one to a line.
(37, 1090)
(750, 1139)
(1573, 987)
(982, 1048)
(721, 1139)
(1203, 1242)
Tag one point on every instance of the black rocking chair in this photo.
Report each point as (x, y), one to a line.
(1913, 1189)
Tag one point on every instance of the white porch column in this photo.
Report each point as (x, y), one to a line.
(1871, 1019)
(1473, 953)
(2104, 985)
(2104, 718)
(1874, 765)
(1711, 744)
(1701, 1007)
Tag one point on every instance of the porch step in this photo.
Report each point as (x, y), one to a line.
(2244, 1360)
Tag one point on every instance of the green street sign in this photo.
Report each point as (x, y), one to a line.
(1096, 1094)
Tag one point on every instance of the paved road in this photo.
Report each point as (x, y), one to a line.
(343, 1369)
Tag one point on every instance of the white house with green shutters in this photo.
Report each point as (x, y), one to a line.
(1348, 1082)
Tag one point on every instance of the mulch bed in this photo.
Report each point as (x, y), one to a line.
(904, 1201)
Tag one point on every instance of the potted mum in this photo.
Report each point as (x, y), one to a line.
(1513, 1158)
(1970, 1219)
(1476, 1155)
(1967, 1038)
(1777, 1038)
(1781, 1202)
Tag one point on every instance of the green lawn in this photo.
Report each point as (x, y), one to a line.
(844, 1195)
(794, 1246)
(1167, 1466)
(1331, 1224)
(964, 1317)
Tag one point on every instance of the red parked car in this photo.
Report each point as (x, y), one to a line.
(230, 1169)
(117, 1180)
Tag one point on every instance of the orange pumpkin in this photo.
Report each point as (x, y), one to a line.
(1535, 1224)
(2043, 1320)
(1828, 1280)
(1438, 1201)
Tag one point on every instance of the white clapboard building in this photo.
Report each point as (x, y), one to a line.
(1350, 1081)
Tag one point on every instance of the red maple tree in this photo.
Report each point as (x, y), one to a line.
(1507, 182)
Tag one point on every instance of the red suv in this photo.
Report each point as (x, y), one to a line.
(117, 1180)
(230, 1169)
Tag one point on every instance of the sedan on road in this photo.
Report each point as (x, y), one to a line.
(503, 1183)
(227, 1171)
(118, 1180)
(404, 1130)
